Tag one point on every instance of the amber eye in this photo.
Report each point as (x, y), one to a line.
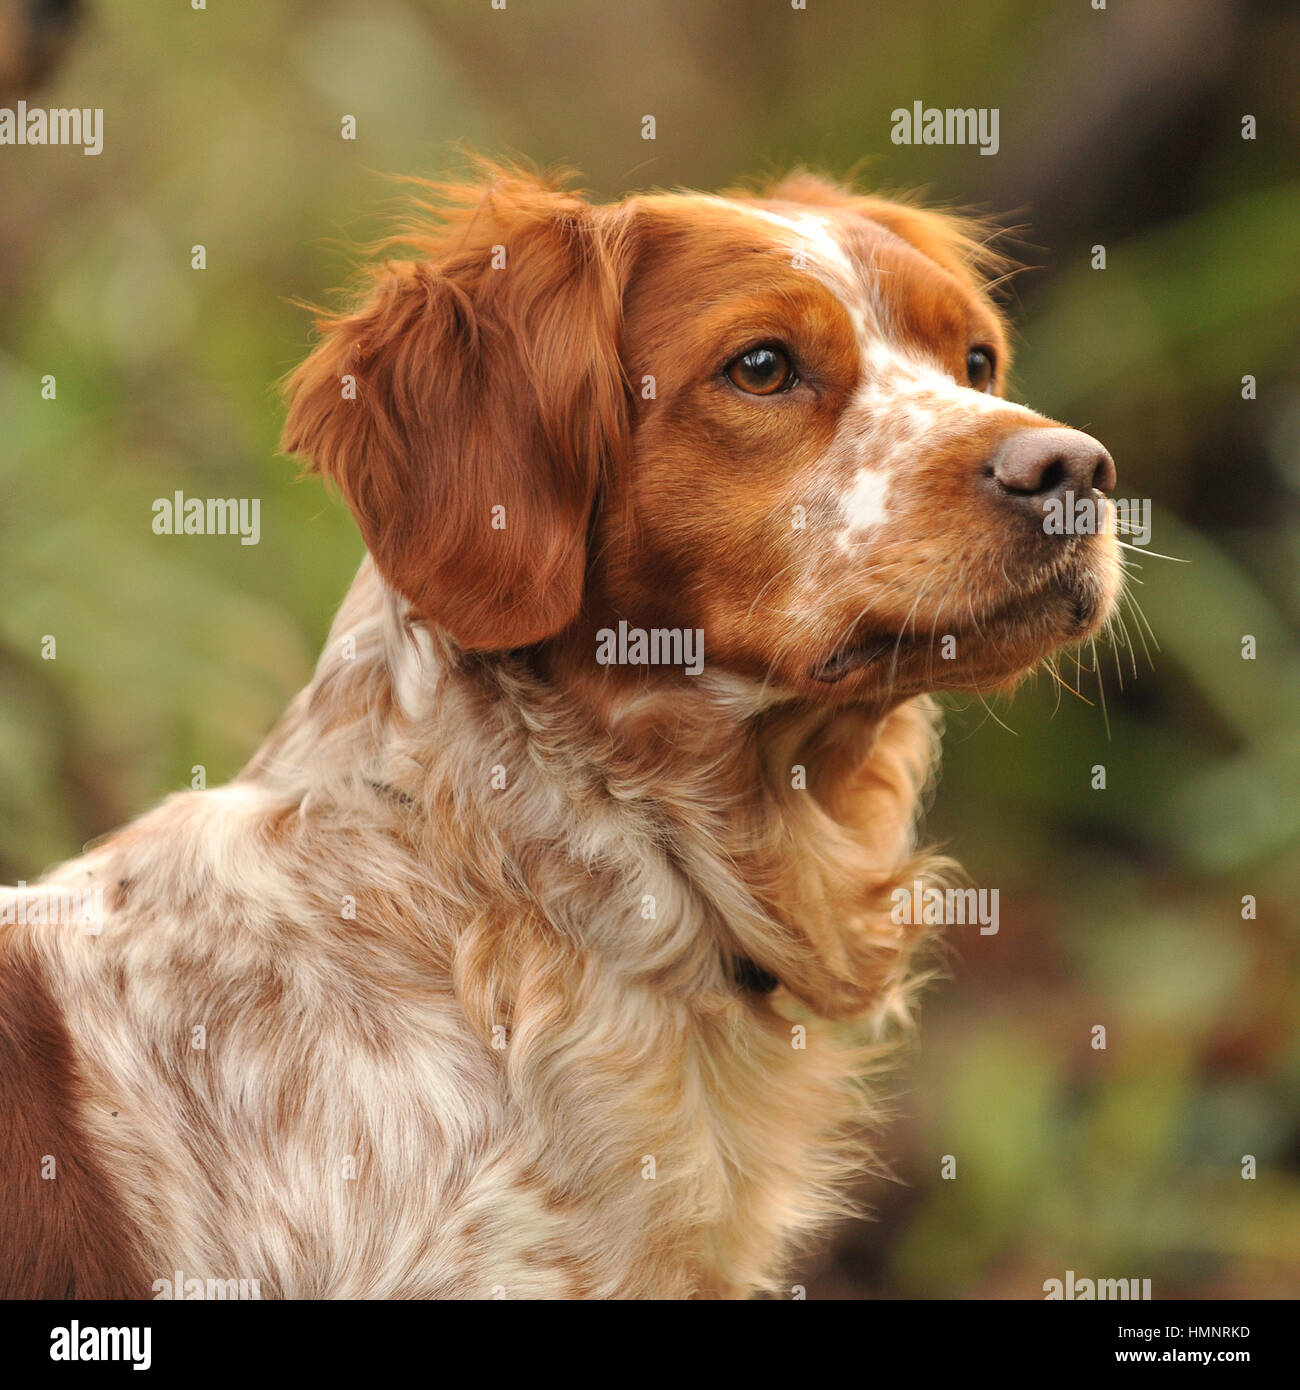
(979, 368)
(762, 371)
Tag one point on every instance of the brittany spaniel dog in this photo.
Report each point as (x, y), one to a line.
(542, 949)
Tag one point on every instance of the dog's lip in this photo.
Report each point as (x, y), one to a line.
(867, 649)
(852, 658)
(1085, 605)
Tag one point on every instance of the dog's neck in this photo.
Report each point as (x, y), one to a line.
(787, 824)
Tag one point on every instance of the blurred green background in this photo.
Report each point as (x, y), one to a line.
(1120, 907)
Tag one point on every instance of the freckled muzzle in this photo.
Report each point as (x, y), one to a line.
(1052, 587)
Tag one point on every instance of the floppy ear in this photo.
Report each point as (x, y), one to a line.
(466, 409)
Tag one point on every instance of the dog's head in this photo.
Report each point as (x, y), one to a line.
(778, 420)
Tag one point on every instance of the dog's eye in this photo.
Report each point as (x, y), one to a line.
(979, 368)
(762, 371)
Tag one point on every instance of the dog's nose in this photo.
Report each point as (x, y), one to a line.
(1031, 466)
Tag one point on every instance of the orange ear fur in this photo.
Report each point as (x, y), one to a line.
(466, 409)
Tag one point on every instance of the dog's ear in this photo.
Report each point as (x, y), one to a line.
(466, 409)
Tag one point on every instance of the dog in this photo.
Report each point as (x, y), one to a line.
(542, 949)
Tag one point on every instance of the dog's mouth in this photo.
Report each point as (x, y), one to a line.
(855, 657)
(1043, 618)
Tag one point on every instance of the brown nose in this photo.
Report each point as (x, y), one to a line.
(1031, 466)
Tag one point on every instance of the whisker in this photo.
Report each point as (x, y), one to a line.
(1101, 687)
(1064, 684)
(1142, 550)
